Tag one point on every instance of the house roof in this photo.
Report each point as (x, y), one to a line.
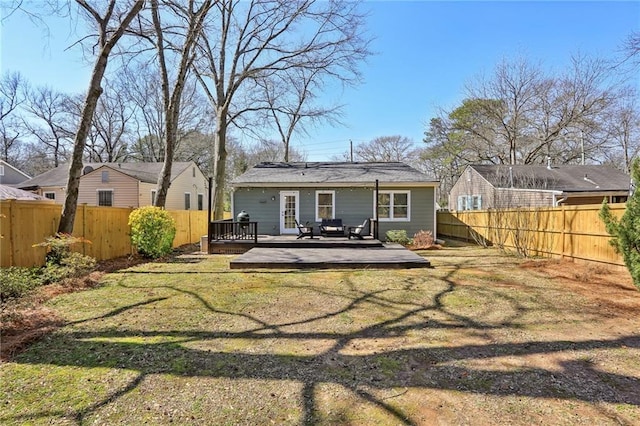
(565, 178)
(144, 172)
(10, 193)
(331, 173)
(4, 163)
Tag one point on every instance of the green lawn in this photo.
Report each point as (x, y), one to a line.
(478, 339)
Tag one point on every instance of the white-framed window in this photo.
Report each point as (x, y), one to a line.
(200, 201)
(476, 202)
(105, 176)
(49, 195)
(325, 205)
(187, 201)
(394, 206)
(1, 170)
(462, 203)
(105, 197)
(154, 193)
(470, 202)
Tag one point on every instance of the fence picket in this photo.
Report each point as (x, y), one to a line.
(574, 232)
(24, 223)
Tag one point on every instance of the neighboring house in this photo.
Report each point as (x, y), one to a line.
(277, 194)
(503, 186)
(125, 185)
(10, 175)
(11, 193)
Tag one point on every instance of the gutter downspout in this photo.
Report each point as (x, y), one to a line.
(558, 201)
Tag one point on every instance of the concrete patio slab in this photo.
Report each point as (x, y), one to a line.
(390, 256)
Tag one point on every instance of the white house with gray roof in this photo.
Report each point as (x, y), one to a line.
(125, 185)
(510, 186)
(277, 194)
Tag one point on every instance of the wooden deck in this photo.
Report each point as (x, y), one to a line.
(369, 254)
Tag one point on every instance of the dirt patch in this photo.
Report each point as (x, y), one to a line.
(608, 287)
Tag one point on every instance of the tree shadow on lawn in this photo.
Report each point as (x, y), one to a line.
(364, 374)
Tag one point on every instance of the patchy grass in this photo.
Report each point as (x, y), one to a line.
(480, 339)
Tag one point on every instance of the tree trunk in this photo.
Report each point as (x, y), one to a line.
(75, 168)
(220, 161)
(107, 42)
(164, 180)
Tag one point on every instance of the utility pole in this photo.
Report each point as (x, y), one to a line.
(351, 149)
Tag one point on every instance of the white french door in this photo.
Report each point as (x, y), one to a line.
(289, 209)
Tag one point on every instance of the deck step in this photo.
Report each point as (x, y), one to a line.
(386, 257)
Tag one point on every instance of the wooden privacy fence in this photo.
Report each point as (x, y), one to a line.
(574, 232)
(24, 223)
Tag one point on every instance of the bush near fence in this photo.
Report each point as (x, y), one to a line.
(573, 232)
(24, 223)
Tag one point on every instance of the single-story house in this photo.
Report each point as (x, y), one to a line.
(10, 175)
(125, 185)
(511, 186)
(276, 195)
(11, 193)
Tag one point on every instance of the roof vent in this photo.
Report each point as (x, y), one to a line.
(87, 169)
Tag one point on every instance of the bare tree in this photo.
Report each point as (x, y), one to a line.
(50, 121)
(110, 134)
(12, 96)
(110, 20)
(623, 130)
(143, 90)
(261, 38)
(290, 104)
(631, 49)
(387, 148)
(520, 116)
(191, 20)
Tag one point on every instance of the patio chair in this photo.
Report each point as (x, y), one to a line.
(304, 230)
(358, 231)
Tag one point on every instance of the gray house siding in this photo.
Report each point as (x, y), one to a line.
(263, 206)
(352, 205)
(422, 213)
(9, 175)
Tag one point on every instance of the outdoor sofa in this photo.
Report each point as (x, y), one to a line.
(331, 228)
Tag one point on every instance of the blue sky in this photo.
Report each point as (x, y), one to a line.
(425, 52)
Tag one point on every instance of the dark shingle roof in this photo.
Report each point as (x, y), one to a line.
(144, 172)
(328, 173)
(566, 178)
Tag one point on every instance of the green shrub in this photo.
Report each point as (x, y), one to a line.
(61, 262)
(71, 265)
(398, 236)
(152, 231)
(626, 230)
(16, 282)
(59, 247)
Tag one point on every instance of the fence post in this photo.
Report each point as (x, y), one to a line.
(12, 229)
(84, 228)
(563, 231)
